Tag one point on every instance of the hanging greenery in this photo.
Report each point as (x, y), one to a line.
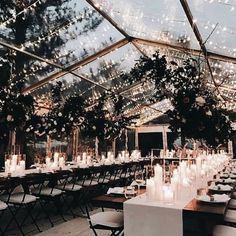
(105, 119)
(196, 112)
(15, 108)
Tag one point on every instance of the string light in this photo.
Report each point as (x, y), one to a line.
(134, 28)
(26, 10)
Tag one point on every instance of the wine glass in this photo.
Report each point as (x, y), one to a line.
(139, 179)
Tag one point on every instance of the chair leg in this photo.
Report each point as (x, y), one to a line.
(94, 231)
(14, 219)
(69, 207)
(29, 209)
(58, 205)
(80, 201)
(1, 231)
(119, 233)
(45, 212)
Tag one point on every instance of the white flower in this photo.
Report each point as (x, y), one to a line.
(63, 129)
(200, 101)
(9, 118)
(208, 113)
(81, 119)
(59, 114)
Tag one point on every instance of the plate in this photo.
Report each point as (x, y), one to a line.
(232, 176)
(225, 181)
(216, 198)
(221, 188)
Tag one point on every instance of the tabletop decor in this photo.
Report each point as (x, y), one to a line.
(186, 178)
(14, 164)
(57, 162)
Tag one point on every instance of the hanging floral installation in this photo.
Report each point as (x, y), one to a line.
(196, 112)
(104, 119)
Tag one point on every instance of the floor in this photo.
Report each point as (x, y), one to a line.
(78, 226)
(75, 227)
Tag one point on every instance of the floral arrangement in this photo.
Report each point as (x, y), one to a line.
(103, 119)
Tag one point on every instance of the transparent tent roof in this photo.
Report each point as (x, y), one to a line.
(125, 30)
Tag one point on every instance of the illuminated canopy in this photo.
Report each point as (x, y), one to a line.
(129, 29)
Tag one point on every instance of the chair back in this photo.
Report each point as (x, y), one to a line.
(8, 185)
(33, 181)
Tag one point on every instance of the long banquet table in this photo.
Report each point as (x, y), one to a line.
(184, 218)
(160, 218)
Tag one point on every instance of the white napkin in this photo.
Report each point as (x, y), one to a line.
(226, 180)
(225, 175)
(116, 190)
(233, 171)
(204, 198)
(216, 198)
(220, 197)
(96, 164)
(222, 187)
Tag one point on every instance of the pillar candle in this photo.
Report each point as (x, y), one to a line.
(56, 157)
(78, 159)
(7, 165)
(14, 160)
(88, 160)
(61, 162)
(168, 195)
(150, 189)
(22, 165)
(48, 162)
(84, 156)
(109, 155)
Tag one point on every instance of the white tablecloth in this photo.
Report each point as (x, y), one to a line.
(143, 217)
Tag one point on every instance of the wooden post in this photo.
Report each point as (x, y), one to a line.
(12, 142)
(48, 145)
(136, 139)
(126, 140)
(75, 140)
(96, 146)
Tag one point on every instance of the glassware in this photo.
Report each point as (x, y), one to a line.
(139, 179)
(130, 192)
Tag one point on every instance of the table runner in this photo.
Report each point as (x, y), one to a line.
(145, 217)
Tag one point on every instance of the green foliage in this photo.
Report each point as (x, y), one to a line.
(196, 112)
(15, 108)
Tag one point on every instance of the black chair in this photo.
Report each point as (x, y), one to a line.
(67, 183)
(3, 207)
(16, 200)
(47, 193)
(106, 220)
(34, 183)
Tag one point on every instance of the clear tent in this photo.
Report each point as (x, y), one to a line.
(130, 29)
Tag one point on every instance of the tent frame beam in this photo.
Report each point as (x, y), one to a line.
(198, 36)
(76, 65)
(121, 43)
